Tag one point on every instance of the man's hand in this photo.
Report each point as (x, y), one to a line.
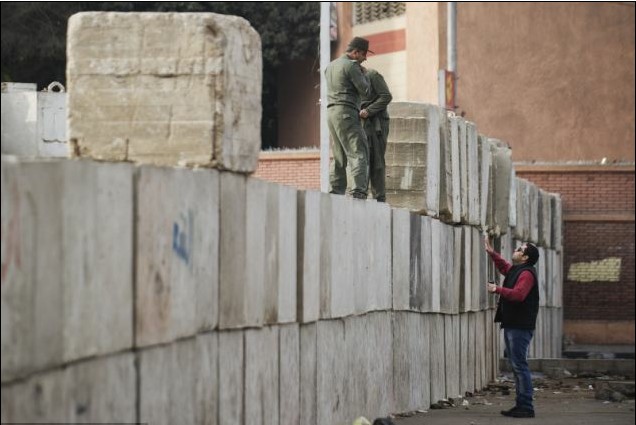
(489, 248)
(492, 288)
(364, 114)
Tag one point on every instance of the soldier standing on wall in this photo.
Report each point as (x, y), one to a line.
(376, 127)
(346, 84)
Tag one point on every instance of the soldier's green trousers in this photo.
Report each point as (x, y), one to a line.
(377, 132)
(349, 147)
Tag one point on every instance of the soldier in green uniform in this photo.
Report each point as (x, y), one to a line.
(375, 121)
(346, 84)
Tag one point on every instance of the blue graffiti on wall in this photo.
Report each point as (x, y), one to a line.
(182, 234)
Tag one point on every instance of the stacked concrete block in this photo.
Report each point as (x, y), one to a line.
(557, 222)
(458, 265)
(471, 373)
(501, 173)
(289, 369)
(462, 138)
(438, 271)
(485, 192)
(232, 360)
(474, 206)
(541, 267)
(533, 213)
(411, 361)
(262, 383)
(452, 340)
(489, 343)
(336, 250)
(480, 350)
(308, 374)
(545, 219)
(403, 258)
(178, 247)
(464, 348)
(449, 200)
(19, 119)
(512, 208)
(308, 266)
(522, 229)
(179, 382)
(332, 383)
(287, 249)
(165, 88)
(371, 256)
(429, 299)
(98, 390)
(475, 269)
(67, 262)
(413, 157)
(465, 288)
(437, 358)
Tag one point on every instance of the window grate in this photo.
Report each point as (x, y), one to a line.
(372, 11)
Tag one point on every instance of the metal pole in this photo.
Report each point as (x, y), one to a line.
(451, 37)
(325, 58)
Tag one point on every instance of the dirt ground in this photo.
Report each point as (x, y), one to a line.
(567, 401)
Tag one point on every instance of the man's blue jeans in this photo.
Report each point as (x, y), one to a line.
(517, 343)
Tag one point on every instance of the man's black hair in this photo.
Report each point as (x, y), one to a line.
(532, 253)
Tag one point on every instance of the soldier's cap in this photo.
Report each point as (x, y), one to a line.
(359, 43)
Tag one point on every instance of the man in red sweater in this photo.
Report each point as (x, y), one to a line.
(517, 312)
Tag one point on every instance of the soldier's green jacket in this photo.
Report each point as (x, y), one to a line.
(378, 97)
(346, 83)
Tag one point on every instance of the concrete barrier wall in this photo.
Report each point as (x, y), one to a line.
(215, 320)
(138, 293)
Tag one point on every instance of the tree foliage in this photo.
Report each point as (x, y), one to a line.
(34, 39)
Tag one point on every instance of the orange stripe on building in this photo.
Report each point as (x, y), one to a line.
(387, 42)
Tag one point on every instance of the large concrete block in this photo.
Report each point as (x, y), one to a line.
(309, 241)
(377, 265)
(474, 206)
(462, 137)
(545, 219)
(464, 372)
(452, 355)
(437, 270)
(446, 168)
(430, 290)
(472, 351)
(476, 272)
(557, 222)
(177, 253)
(19, 119)
(402, 257)
(449, 282)
(485, 164)
(289, 349)
(232, 362)
(333, 377)
(502, 174)
(512, 208)
(165, 88)
(98, 390)
(67, 262)
(437, 358)
(308, 377)
(336, 284)
(369, 368)
(455, 169)
(420, 123)
(179, 382)
(411, 361)
(533, 226)
(465, 276)
(480, 350)
(262, 384)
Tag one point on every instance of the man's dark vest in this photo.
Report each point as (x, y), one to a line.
(519, 315)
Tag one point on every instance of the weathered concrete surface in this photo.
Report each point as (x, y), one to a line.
(289, 369)
(308, 374)
(179, 382)
(231, 377)
(462, 138)
(501, 173)
(403, 257)
(557, 221)
(165, 88)
(178, 247)
(19, 122)
(333, 377)
(416, 125)
(465, 276)
(262, 383)
(438, 358)
(53, 256)
(485, 193)
(545, 219)
(98, 390)
(474, 206)
(308, 266)
(411, 361)
(452, 353)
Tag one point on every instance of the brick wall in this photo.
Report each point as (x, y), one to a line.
(598, 211)
(300, 169)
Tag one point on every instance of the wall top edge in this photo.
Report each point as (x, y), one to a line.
(626, 167)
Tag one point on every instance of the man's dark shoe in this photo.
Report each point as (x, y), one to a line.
(509, 411)
(521, 413)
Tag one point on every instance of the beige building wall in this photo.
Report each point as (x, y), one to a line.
(422, 51)
(555, 81)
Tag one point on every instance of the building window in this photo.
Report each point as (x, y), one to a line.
(372, 11)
